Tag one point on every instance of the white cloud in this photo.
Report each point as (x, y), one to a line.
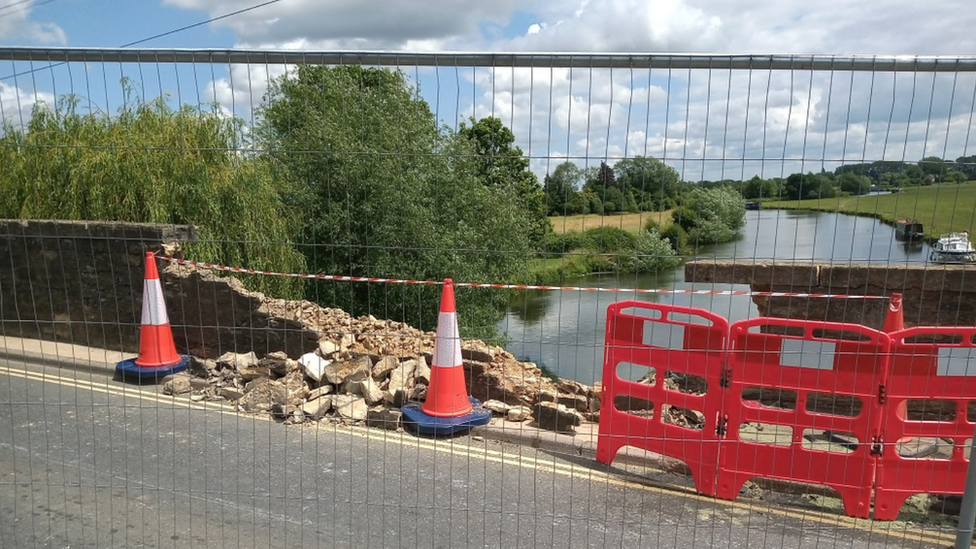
(710, 124)
(15, 24)
(354, 24)
(16, 104)
(747, 26)
(244, 87)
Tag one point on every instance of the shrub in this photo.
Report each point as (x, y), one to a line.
(676, 237)
(609, 239)
(652, 252)
(652, 225)
(563, 243)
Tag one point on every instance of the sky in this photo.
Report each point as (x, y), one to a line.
(709, 124)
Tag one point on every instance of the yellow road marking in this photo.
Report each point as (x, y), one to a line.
(494, 456)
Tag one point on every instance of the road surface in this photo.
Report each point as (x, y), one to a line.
(89, 462)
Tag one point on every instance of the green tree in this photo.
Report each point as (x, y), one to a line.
(613, 200)
(854, 184)
(954, 176)
(966, 165)
(711, 215)
(382, 192)
(758, 187)
(652, 182)
(933, 166)
(154, 164)
(560, 190)
(501, 163)
(800, 186)
(605, 175)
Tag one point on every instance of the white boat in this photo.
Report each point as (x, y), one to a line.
(953, 248)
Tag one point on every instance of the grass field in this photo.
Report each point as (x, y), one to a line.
(943, 208)
(628, 222)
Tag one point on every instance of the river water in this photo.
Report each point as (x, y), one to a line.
(564, 330)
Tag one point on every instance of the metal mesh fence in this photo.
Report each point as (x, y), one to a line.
(673, 279)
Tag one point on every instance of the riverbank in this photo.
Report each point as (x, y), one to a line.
(941, 208)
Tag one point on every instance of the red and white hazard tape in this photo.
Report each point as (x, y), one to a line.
(341, 278)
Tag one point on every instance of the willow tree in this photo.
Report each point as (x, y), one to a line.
(383, 192)
(155, 164)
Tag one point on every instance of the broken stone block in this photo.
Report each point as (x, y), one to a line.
(313, 365)
(318, 392)
(337, 372)
(230, 393)
(519, 413)
(356, 410)
(327, 347)
(315, 409)
(384, 418)
(294, 384)
(556, 417)
(365, 387)
(262, 394)
(384, 366)
(496, 406)
(236, 361)
(177, 386)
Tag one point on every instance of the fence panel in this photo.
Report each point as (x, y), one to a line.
(813, 387)
(310, 203)
(670, 343)
(929, 423)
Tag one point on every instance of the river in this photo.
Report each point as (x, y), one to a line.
(564, 330)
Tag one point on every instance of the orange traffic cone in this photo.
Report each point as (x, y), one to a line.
(157, 352)
(448, 408)
(447, 396)
(893, 322)
(895, 317)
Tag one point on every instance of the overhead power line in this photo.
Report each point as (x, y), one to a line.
(148, 39)
(25, 8)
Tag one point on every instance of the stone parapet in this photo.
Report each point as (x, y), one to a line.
(934, 295)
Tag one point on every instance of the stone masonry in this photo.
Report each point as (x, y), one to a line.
(76, 281)
(934, 295)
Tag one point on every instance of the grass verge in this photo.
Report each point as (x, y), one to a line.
(942, 208)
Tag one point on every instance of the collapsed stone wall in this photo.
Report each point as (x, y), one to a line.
(261, 353)
(77, 281)
(934, 295)
(81, 283)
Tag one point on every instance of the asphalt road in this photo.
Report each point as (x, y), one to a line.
(88, 462)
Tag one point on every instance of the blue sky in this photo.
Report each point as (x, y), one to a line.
(107, 23)
(709, 124)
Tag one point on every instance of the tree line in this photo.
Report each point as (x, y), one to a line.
(643, 184)
(858, 179)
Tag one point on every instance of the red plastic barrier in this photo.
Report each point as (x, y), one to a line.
(669, 339)
(915, 374)
(811, 361)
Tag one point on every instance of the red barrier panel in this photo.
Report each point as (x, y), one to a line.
(931, 457)
(817, 365)
(670, 340)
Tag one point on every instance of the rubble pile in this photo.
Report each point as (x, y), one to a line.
(365, 369)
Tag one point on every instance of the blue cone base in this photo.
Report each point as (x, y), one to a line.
(130, 370)
(430, 425)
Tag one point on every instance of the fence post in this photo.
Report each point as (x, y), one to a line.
(967, 514)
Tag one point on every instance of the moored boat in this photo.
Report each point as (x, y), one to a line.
(953, 248)
(908, 229)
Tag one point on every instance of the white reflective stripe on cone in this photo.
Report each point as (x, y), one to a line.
(153, 306)
(447, 345)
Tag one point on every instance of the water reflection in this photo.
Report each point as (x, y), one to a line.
(564, 330)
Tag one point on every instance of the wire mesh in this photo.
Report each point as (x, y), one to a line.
(686, 186)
